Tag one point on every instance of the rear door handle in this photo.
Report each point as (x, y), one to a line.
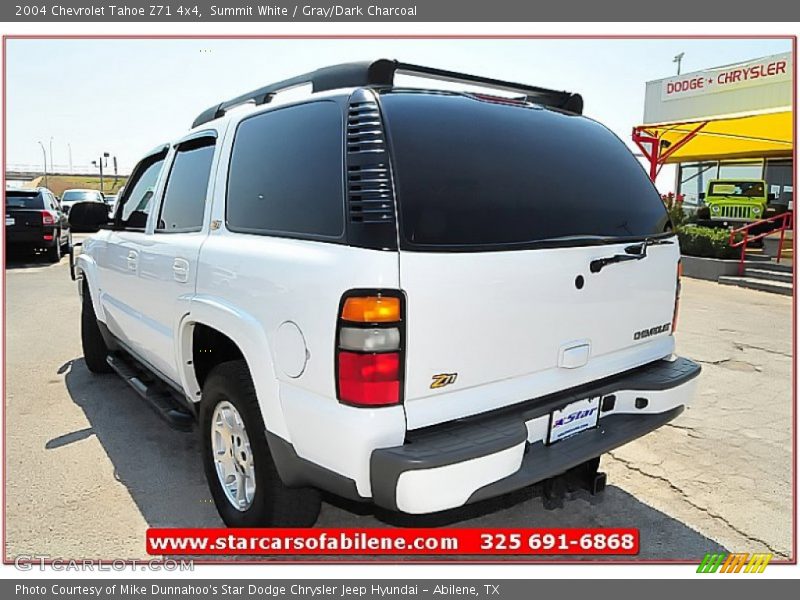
(180, 270)
(133, 260)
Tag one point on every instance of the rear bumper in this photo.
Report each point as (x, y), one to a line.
(32, 238)
(451, 465)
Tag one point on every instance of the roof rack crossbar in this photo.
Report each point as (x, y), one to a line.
(381, 73)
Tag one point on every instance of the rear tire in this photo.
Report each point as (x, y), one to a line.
(271, 503)
(54, 252)
(68, 244)
(95, 350)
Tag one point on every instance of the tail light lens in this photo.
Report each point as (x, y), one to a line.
(369, 379)
(677, 297)
(48, 218)
(369, 349)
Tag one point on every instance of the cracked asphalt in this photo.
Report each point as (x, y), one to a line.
(89, 467)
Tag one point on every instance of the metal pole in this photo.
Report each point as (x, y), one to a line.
(678, 58)
(51, 154)
(101, 174)
(69, 148)
(44, 155)
(784, 224)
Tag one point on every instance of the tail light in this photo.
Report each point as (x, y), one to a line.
(677, 297)
(369, 348)
(48, 218)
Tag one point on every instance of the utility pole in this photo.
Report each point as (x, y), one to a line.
(678, 58)
(44, 156)
(69, 148)
(51, 154)
(99, 163)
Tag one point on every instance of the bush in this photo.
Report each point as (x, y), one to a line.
(706, 242)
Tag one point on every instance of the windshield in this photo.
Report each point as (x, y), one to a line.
(473, 173)
(24, 200)
(81, 196)
(744, 189)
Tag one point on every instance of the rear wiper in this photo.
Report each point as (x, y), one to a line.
(633, 252)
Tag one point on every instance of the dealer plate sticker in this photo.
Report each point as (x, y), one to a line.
(10, 220)
(574, 418)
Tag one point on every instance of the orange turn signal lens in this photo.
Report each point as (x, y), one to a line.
(371, 309)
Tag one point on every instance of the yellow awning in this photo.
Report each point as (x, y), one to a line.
(751, 136)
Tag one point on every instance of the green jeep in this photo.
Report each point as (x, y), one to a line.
(733, 202)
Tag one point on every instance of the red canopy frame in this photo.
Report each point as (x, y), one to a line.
(657, 150)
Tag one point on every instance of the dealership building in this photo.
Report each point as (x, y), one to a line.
(729, 122)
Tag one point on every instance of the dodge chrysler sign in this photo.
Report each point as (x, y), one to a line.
(773, 69)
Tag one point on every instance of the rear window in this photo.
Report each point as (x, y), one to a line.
(24, 200)
(80, 196)
(473, 173)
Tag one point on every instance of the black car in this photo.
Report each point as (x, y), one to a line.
(35, 220)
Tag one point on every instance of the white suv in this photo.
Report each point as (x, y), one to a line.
(418, 298)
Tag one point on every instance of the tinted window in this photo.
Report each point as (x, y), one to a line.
(137, 203)
(286, 172)
(477, 173)
(81, 196)
(24, 200)
(185, 195)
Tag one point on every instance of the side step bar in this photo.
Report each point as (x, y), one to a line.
(157, 395)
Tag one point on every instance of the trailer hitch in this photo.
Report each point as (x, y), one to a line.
(585, 476)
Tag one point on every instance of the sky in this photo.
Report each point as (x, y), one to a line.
(125, 97)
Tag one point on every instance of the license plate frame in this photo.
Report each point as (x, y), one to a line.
(576, 417)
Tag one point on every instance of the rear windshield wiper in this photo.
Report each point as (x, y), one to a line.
(633, 252)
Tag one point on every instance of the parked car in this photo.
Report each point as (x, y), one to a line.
(417, 298)
(733, 202)
(34, 220)
(71, 197)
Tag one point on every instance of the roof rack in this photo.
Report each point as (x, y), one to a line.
(381, 73)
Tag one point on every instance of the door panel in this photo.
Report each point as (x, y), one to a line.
(168, 258)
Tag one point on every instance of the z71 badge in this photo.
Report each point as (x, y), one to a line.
(443, 379)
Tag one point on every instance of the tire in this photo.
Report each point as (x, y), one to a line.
(95, 350)
(68, 245)
(54, 252)
(270, 503)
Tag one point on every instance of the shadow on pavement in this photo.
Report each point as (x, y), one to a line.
(163, 473)
(18, 259)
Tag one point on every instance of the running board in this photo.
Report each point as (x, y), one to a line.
(157, 395)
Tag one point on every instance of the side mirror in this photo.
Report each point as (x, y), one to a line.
(772, 197)
(88, 216)
(702, 195)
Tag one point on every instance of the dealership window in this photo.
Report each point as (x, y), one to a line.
(693, 180)
(741, 170)
(778, 175)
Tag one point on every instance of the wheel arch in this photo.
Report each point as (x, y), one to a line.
(86, 274)
(249, 337)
